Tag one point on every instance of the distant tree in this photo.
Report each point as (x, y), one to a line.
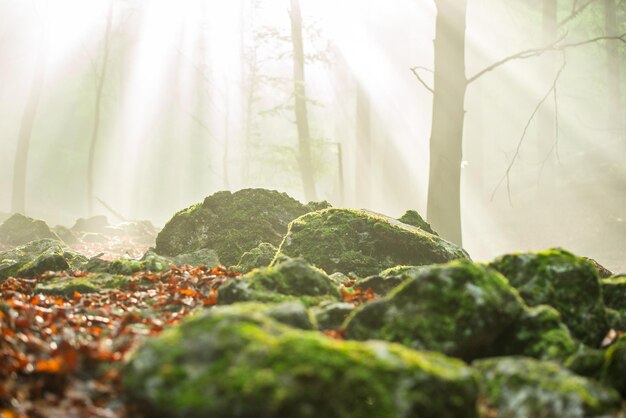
(95, 131)
(20, 169)
(613, 69)
(302, 120)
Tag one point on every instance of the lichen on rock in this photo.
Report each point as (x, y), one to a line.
(363, 243)
(228, 363)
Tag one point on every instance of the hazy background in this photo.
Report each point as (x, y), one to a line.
(198, 97)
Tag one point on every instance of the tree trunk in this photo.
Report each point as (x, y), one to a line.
(446, 140)
(18, 204)
(613, 69)
(304, 139)
(97, 111)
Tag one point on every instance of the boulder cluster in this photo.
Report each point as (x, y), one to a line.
(343, 312)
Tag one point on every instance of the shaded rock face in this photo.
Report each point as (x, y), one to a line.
(461, 309)
(564, 281)
(288, 279)
(38, 257)
(20, 230)
(614, 367)
(363, 243)
(228, 363)
(231, 223)
(614, 292)
(524, 387)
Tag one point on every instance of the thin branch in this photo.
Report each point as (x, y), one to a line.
(506, 177)
(576, 11)
(415, 70)
(535, 52)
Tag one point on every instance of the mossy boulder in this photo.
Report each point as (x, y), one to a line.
(614, 292)
(67, 285)
(227, 363)
(461, 309)
(332, 315)
(20, 230)
(539, 333)
(231, 223)
(292, 313)
(411, 217)
(614, 367)
(379, 284)
(95, 224)
(519, 387)
(66, 235)
(260, 256)
(38, 257)
(586, 362)
(363, 243)
(560, 279)
(288, 279)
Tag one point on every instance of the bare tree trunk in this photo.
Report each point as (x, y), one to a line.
(97, 111)
(363, 167)
(18, 204)
(446, 140)
(302, 121)
(613, 69)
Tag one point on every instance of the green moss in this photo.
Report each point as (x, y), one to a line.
(67, 285)
(564, 281)
(289, 279)
(538, 333)
(614, 368)
(524, 387)
(260, 256)
(586, 362)
(459, 308)
(614, 292)
(362, 243)
(230, 363)
(38, 257)
(230, 223)
(411, 217)
(332, 315)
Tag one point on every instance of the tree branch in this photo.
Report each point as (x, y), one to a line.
(415, 70)
(507, 173)
(576, 10)
(535, 52)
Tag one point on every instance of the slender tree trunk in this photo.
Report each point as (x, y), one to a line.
(226, 151)
(446, 140)
(546, 124)
(302, 121)
(18, 204)
(613, 70)
(363, 175)
(97, 111)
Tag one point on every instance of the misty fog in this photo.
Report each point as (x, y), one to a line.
(175, 100)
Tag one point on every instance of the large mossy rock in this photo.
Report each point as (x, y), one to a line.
(20, 230)
(231, 223)
(364, 243)
(524, 387)
(461, 309)
(614, 367)
(67, 285)
(411, 217)
(227, 363)
(38, 257)
(564, 281)
(288, 279)
(614, 292)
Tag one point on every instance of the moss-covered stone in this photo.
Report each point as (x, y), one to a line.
(96, 224)
(459, 308)
(564, 281)
(38, 257)
(67, 285)
(20, 230)
(614, 292)
(332, 315)
(614, 367)
(231, 223)
(586, 362)
(225, 363)
(538, 333)
(260, 256)
(379, 284)
(294, 313)
(411, 217)
(66, 235)
(289, 279)
(363, 243)
(524, 387)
